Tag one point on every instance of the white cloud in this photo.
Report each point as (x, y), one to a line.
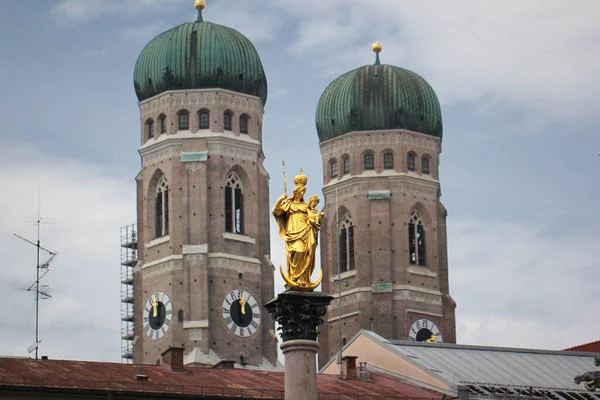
(86, 206)
(516, 285)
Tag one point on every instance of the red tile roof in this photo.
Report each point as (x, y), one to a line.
(592, 347)
(101, 376)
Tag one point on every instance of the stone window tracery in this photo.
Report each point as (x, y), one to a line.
(346, 242)
(234, 204)
(416, 239)
(184, 120)
(161, 210)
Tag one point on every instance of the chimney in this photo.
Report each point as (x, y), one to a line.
(362, 372)
(224, 364)
(463, 392)
(349, 368)
(173, 356)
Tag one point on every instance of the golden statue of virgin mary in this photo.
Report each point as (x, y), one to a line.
(299, 225)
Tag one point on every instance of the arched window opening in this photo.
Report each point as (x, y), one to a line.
(334, 169)
(227, 121)
(234, 205)
(346, 244)
(150, 128)
(184, 121)
(425, 165)
(416, 239)
(204, 118)
(243, 124)
(162, 208)
(410, 162)
(347, 165)
(388, 161)
(369, 161)
(162, 122)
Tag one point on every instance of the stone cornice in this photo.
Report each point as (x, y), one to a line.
(380, 140)
(199, 98)
(399, 183)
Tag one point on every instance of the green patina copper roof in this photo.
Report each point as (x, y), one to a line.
(199, 55)
(376, 97)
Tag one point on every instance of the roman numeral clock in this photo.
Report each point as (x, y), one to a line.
(423, 330)
(241, 313)
(158, 314)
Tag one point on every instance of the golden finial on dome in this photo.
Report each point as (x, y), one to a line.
(377, 47)
(200, 5)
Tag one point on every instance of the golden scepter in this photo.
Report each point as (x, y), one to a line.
(284, 180)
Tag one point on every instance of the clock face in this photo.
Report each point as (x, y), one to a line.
(241, 313)
(422, 330)
(158, 314)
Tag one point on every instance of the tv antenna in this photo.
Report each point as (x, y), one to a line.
(41, 291)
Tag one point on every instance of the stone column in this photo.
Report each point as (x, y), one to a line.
(299, 315)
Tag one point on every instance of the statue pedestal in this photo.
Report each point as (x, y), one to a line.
(299, 315)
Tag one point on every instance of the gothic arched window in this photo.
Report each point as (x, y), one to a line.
(150, 128)
(161, 210)
(227, 120)
(388, 161)
(204, 119)
(234, 205)
(410, 162)
(416, 239)
(243, 124)
(162, 123)
(184, 120)
(346, 165)
(425, 165)
(346, 244)
(369, 161)
(334, 169)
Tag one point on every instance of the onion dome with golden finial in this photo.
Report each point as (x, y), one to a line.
(200, 55)
(378, 97)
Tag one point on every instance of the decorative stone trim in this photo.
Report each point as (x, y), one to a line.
(344, 316)
(234, 257)
(171, 263)
(154, 155)
(410, 310)
(416, 289)
(239, 238)
(162, 260)
(157, 241)
(195, 248)
(195, 324)
(424, 271)
(379, 140)
(344, 275)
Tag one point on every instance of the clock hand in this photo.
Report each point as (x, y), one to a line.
(155, 308)
(243, 304)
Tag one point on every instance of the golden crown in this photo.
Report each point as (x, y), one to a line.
(300, 179)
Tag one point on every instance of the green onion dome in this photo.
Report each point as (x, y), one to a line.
(198, 55)
(378, 97)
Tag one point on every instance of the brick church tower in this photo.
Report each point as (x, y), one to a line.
(380, 133)
(203, 269)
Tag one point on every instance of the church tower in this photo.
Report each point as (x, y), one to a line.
(384, 242)
(203, 269)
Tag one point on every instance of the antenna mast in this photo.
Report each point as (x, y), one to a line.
(40, 271)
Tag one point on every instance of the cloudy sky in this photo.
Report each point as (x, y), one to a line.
(518, 83)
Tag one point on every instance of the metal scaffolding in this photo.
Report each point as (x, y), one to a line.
(128, 260)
